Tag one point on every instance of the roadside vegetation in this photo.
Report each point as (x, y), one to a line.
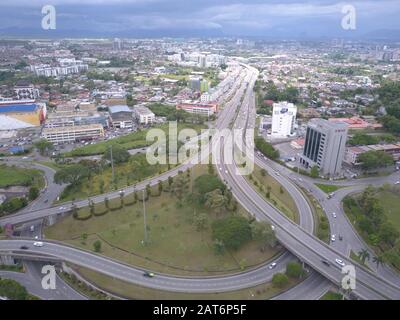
(266, 148)
(88, 178)
(130, 141)
(14, 291)
(327, 188)
(194, 226)
(322, 229)
(13, 176)
(273, 192)
(376, 215)
(330, 295)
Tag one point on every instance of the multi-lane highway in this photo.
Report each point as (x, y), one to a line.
(300, 242)
(297, 238)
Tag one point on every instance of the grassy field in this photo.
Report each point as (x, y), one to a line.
(130, 141)
(282, 200)
(14, 176)
(131, 291)
(129, 173)
(322, 229)
(328, 188)
(391, 204)
(330, 295)
(390, 201)
(175, 246)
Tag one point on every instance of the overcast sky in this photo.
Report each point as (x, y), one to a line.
(260, 18)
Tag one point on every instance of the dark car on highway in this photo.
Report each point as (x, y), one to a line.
(24, 247)
(326, 263)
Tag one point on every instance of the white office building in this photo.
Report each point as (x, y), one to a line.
(144, 115)
(283, 120)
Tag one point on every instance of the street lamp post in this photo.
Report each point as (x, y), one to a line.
(144, 217)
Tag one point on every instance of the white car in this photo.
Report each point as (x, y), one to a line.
(334, 215)
(226, 171)
(397, 182)
(272, 266)
(38, 244)
(61, 208)
(340, 262)
(333, 238)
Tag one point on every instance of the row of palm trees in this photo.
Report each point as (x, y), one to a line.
(364, 255)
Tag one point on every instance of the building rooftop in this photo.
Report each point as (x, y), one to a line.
(9, 123)
(119, 108)
(73, 128)
(143, 111)
(18, 108)
(322, 123)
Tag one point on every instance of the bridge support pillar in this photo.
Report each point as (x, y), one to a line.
(50, 220)
(7, 260)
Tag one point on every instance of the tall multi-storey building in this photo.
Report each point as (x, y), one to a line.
(195, 83)
(144, 115)
(117, 44)
(283, 120)
(325, 146)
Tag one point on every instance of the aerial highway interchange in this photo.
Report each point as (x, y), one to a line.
(298, 239)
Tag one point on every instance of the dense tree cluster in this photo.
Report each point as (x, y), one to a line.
(233, 231)
(13, 290)
(389, 96)
(373, 222)
(13, 205)
(290, 94)
(362, 139)
(375, 159)
(266, 148)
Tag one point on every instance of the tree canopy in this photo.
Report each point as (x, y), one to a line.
(233, 231)
(13, 290)
(375, 159)
(71, 174)
(43, 146)
(119, 154)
